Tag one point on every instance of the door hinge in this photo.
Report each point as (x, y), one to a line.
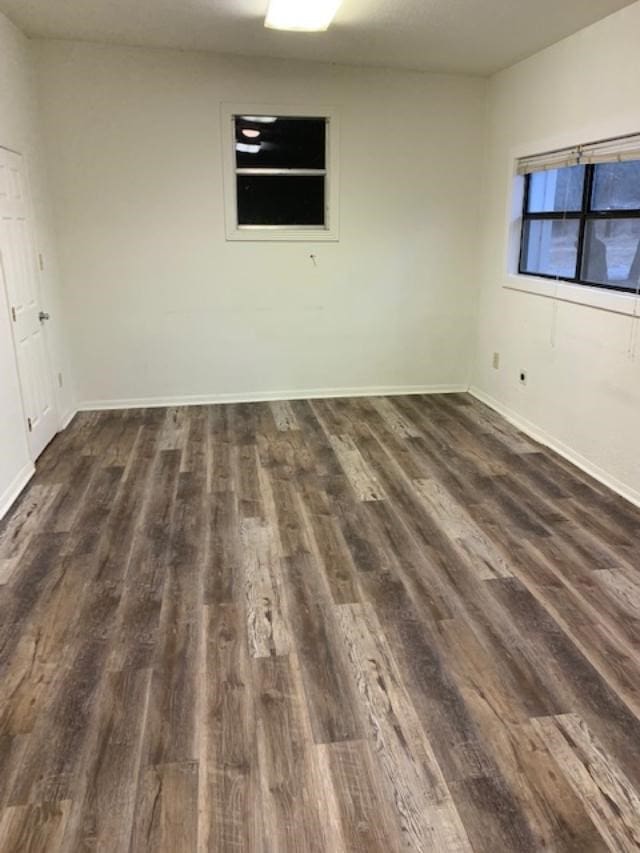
(29, 424)
(13, 313)
(41, 261)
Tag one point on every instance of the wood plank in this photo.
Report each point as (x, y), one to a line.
(284, 416)
(393, 417)
(26, 596)
(463, 531)
(500, 709)
(316, 439)
(609, 797)
(623, 589)
(223, 555)
(266, 630)
(289, 796)
(367, 820)
(411, 773)
(56, 749)
(329, 691)
(68, 502)
(363, 480)
(360, 535)
(144, 582)
(174, 430)
(233, 816)
(103, 815)
(327, 542)
(491, 814)
(569, 674)
(166, 817)
(95, 510)
(23, 522)
(37, 827)
(195, 455)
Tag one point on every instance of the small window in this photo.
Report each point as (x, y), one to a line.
(582, 224)
(281, 180)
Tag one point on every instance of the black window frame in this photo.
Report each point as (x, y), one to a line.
(585, 215)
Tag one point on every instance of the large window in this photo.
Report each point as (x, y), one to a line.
(280, 180)
(581, 223)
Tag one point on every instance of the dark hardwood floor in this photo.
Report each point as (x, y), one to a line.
(343, 625)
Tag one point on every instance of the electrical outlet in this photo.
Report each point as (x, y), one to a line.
(495, 362)
(523, 377)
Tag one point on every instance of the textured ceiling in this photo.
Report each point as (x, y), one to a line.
(464, 36)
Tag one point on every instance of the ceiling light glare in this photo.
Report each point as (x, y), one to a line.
(260, 119)
(301, 15)
(244, 148)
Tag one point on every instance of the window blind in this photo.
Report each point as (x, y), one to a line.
(605, 151)
(612, 150)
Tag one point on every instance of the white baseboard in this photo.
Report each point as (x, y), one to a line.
(15, 487)
(265, 396)
(66, 419)
(538, 434)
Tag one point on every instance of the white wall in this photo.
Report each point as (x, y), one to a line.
(19, 131)
(583, 390)
(162, 307)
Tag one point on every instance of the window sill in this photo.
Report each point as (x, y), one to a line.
(282, 235)
(578, 294)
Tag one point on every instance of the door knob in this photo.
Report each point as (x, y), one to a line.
(42, 316)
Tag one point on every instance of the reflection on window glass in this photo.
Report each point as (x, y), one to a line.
(550, 247)
(612, 253)
(616, 186)
(556, 190)
(280, 143)
(280, 200)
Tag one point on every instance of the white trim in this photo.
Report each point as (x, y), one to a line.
(614, 301)
(538, 434)
(331, 233)
(15, 487)
(265, 396)
(66, 420)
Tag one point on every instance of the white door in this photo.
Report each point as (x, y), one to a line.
(19, 272)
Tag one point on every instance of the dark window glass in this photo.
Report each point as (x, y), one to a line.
(616, 186)
(612, 253)
(285, 143)
(550, 247)
(280, 200)
(556, 190)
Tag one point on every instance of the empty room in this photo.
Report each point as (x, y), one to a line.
(319, 426)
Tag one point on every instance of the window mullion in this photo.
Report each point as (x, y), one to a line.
(246, 170)
(586, 207)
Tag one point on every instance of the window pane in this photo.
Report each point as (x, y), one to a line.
(550, 247)
(612, 252)
(616, 186)
(556, 190)
(283, 143)
(280, 200)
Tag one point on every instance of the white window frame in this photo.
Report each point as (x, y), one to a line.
(252, 233)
